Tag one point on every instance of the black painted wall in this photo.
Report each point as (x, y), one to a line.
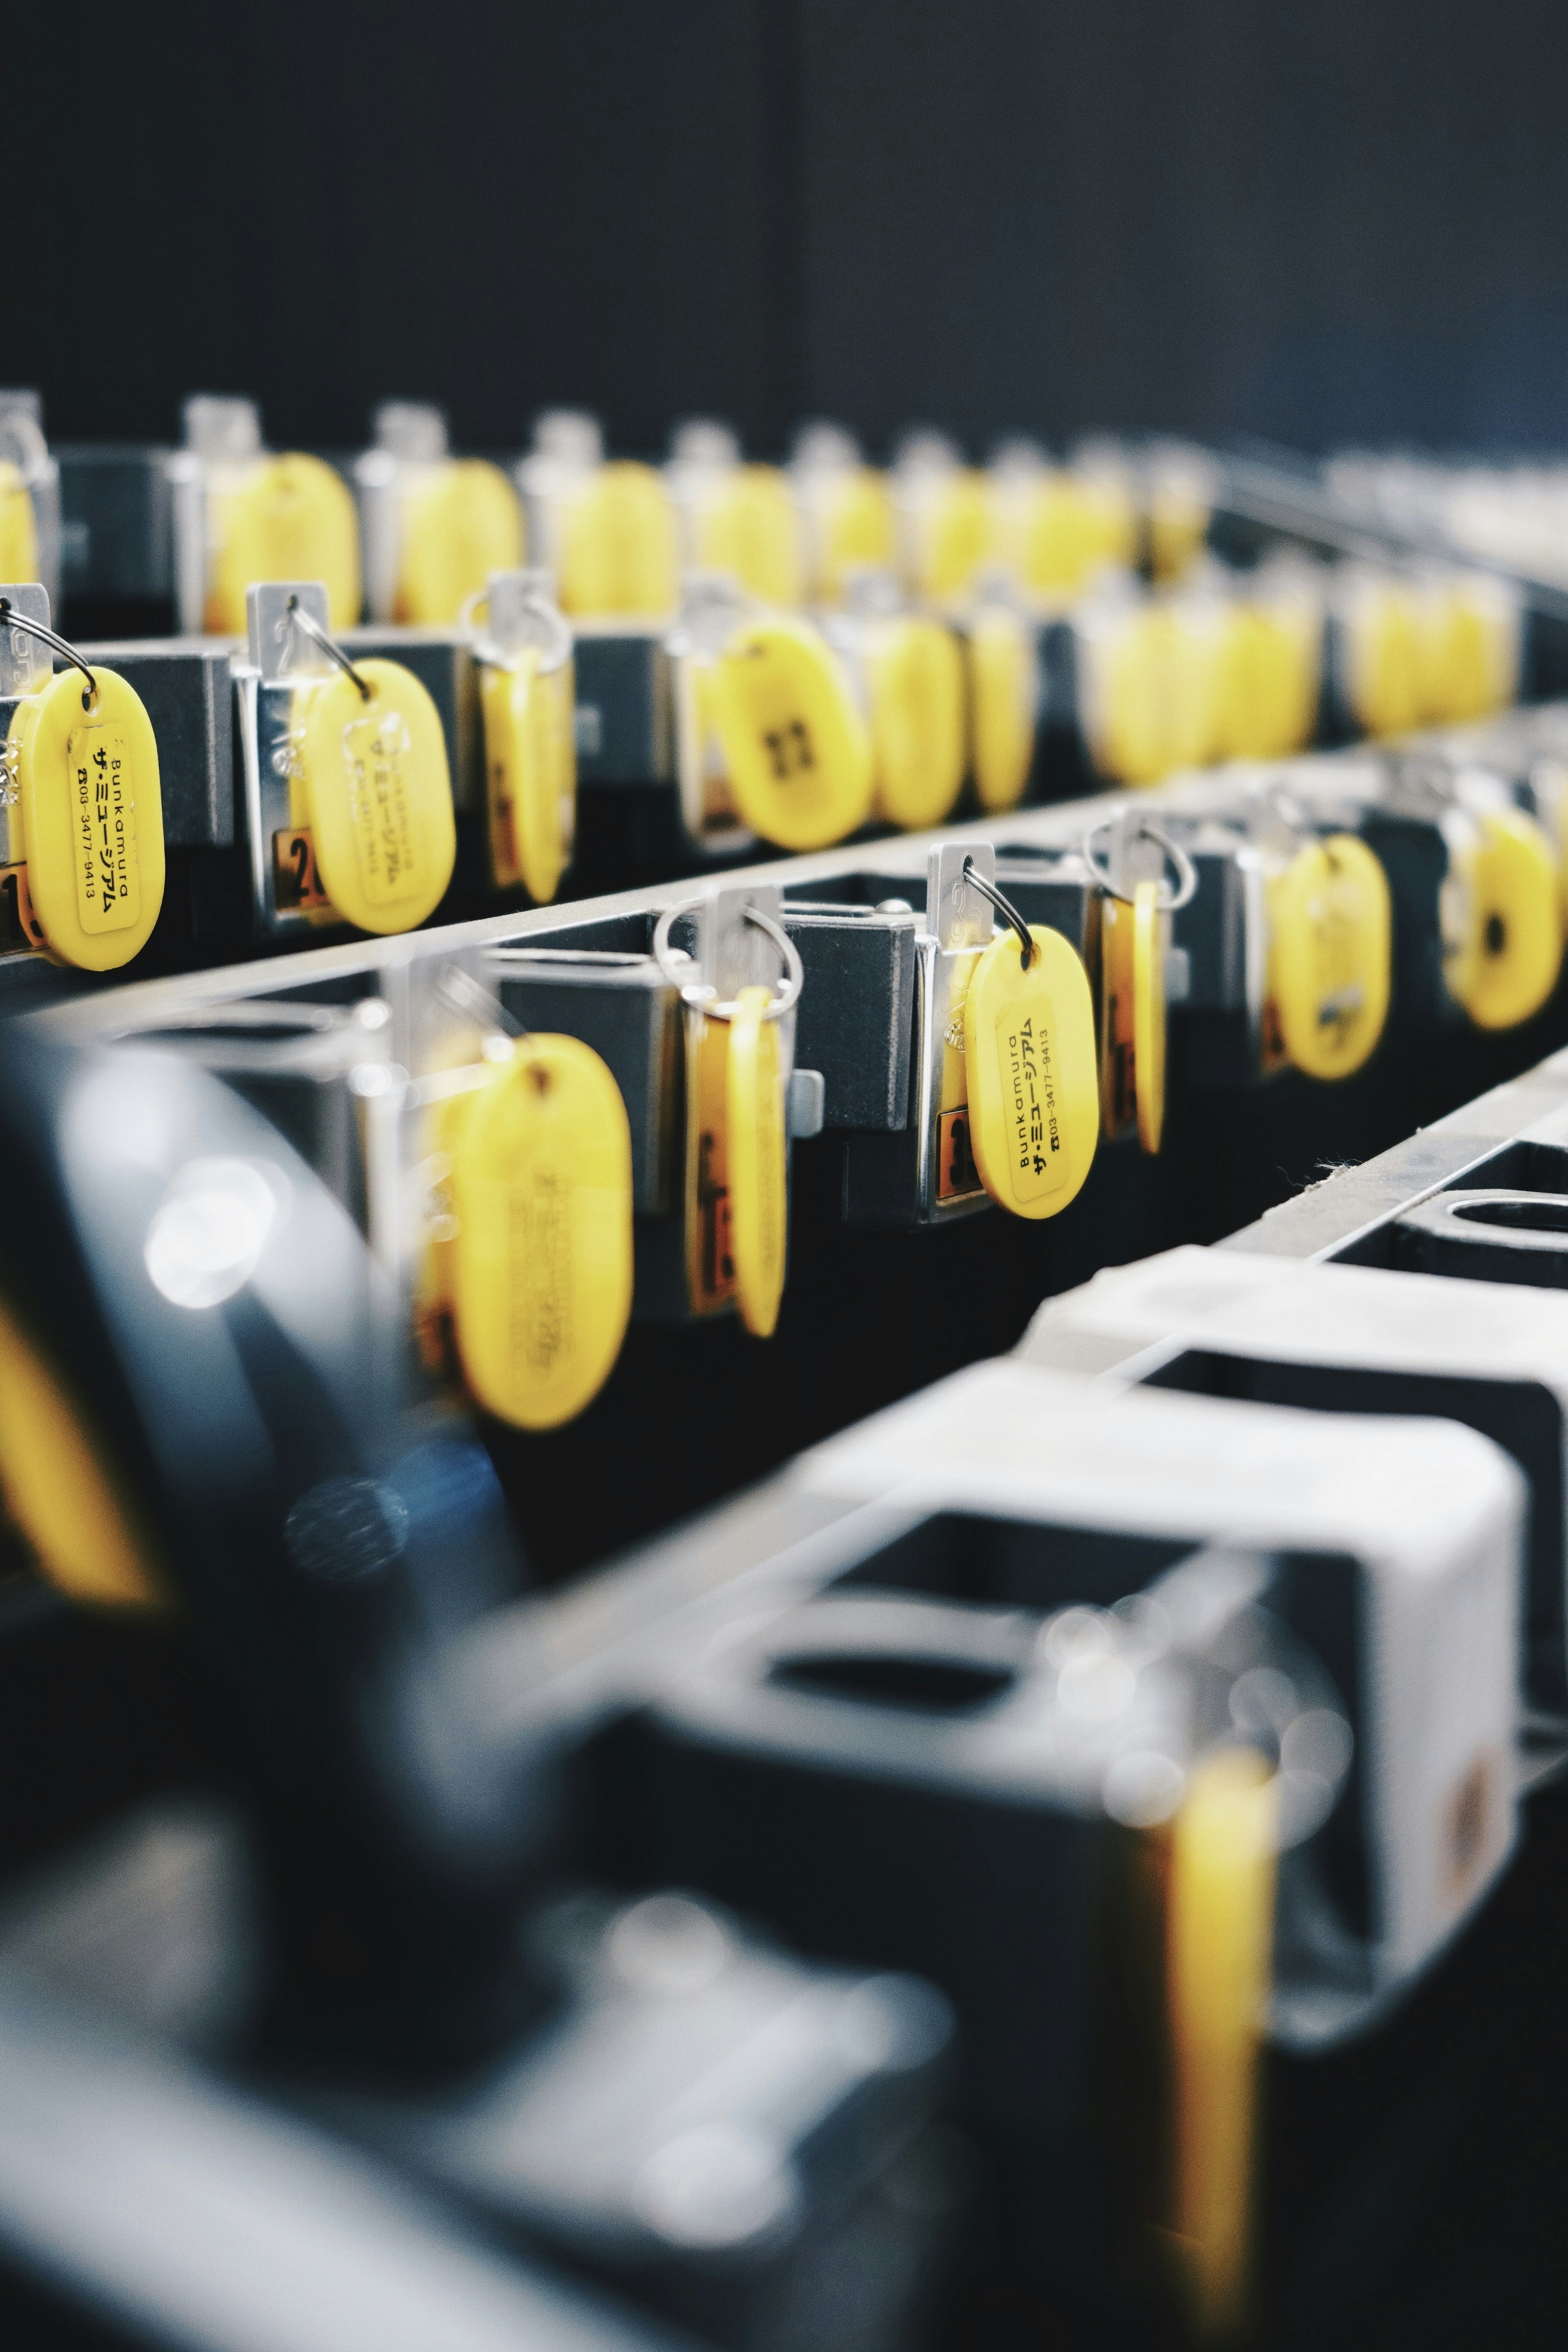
(1347, 218)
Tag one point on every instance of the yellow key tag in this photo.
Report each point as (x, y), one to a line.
(19, 526)
(952, 531)
(1505, 947)
(796, 749)
(461, 521)
(542, 1258)
(531, 769)
(857, 530)
(85, 769)
(1151, 937)
(617, 552)
(1219, 1960)
(1330, 956)
(1268, 691)
(747, 527)
(1132, 940)
(914, 672)
(1034, 1105)
(1004, 696)
(710, 1258)
(288, 517)
(377, 795)
(754, 1114)
(1385, 661)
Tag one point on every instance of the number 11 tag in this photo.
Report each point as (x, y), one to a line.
(1034, 1102)
(797, 750)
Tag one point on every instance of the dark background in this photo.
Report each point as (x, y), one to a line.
(1338, 220)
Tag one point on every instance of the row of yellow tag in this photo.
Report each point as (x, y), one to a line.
(1166, 683)
(618, 535)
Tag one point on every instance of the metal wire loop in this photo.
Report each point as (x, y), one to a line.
(318, 636)
(11, 619)
(1170, 900)
(1005, 907)
(702, 993)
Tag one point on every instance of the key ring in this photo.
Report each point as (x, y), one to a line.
(553, 656)
(11, 619)
(702, 993)
(313, 630)
(1169, 901)
(1004, 906)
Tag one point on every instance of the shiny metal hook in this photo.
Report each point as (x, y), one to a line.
(11, 619)
(314, 631)
(1005, 907)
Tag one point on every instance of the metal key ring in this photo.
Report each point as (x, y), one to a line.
(701, 993)
(484, 650)
(1169, 901)
(1005, 907)
(11, 619)
(314, 631)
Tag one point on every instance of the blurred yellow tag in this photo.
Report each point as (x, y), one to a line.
(1034, 1104)
(1385, 660)
(796, 749)
(1150, 930)
(19, 526)
(1004, 696)
(90, 803)
(1268, 683)
(1502, 922)
(530, 768)
(856, 529)
(83, 1530)
(617, 551)
(377, 795)
(461, 521)
(747, 526)
(754, 1111)
(1219, 1963)
(951, 525)
(1154, 695)
(915, 678)
(542, 1259)
(1330, 949)
(709, 1259)
(1132, 940)
(288, 517)
(1470, 656)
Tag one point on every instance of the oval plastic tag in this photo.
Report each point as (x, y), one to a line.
(531, 767)
(915, 676)
(953, 534)
(377, 795)
(19, 526)
(61, 1493)
(1330, 955)
(542, 1259)
(461, 521)
(1269, 685)
(748, 527)
(1384, 661)
(1151, 937)
(92, 817)
(754, 1121)
(1156, 696)
(1507, 948)
(1034, 1106)
(797, 750)
(617, 543)
(1004, 694)
(291, 517)
(856, 531)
